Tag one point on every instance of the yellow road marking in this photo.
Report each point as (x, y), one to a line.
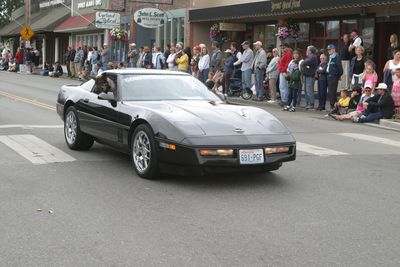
(28, 101)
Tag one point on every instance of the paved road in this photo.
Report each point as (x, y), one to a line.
(336, 205)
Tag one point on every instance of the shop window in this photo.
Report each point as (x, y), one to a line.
(265, 34)
(348, 25)
(367, 27)
(319, 28)
(333, 29)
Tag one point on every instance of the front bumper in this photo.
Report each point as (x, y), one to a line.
(187, 160)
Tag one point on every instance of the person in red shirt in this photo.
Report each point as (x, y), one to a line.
(284, 61)
(19, 58)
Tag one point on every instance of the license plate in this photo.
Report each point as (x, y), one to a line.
(251, 156)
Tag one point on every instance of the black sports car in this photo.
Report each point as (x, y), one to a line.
(170, 122)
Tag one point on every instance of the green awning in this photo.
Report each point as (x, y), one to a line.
(44, 21)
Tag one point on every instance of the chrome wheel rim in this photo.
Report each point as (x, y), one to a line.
(141, 151)
(71, 128)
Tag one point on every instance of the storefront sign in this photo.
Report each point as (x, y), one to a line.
(107, 20)
(232, 27)
(90, 3)
(50, 3)
(281, 5)
(150, 17)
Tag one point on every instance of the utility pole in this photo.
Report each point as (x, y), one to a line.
(27, 10)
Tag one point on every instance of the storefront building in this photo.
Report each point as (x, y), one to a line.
(45, 15)
(318, 22)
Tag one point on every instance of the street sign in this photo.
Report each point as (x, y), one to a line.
(107, 20)
(26, 32)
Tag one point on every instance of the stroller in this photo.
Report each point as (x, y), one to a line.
(235, 87)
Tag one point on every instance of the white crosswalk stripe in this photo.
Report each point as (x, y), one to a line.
(318, 151)
(370, 138)
(34, 149)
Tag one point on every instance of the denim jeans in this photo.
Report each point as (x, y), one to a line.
(259, 79)
(322, 92)
(309, 90)
(246, 79)
(369, 116)
(204, 75)
(283, 88)
(132, 65)
(292, 97)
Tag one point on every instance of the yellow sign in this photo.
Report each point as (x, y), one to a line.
(26, 32)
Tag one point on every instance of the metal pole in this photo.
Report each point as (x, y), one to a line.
(27, 11)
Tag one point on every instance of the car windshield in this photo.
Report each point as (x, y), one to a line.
(164, 87)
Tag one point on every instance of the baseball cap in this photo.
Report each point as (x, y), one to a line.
(258, 43)
(331, 46)
(368, 85)
(228, 51)
(132, 44)
(246, 43)
(382, 86)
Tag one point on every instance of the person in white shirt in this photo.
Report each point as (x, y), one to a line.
(246, 60)
(204, 64)
(171, 59)
(356, 41)
(158, 59)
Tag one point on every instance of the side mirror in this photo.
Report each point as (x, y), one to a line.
(106, 96)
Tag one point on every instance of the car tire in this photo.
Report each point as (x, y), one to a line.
(144, 152)
(74, 137)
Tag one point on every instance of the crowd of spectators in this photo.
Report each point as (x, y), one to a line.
(280, 75)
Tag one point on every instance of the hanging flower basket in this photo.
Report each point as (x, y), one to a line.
(215, 33)
(118, 34)
(287, 29)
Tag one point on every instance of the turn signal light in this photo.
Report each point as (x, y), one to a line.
(276, 150)
(216, 152)
(168, 146)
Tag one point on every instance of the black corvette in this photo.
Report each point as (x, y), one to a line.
(170, 122)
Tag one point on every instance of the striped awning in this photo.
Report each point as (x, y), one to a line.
(278, 8)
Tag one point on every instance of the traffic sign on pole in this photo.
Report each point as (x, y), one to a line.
(26, 32)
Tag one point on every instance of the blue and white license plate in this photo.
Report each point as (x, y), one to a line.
(251, 156)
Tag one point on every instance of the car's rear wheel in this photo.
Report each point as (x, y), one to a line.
(144, 153)
(74, 137)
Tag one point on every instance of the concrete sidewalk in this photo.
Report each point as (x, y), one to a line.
(383, 124)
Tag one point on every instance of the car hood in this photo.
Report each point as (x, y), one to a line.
(200, 118)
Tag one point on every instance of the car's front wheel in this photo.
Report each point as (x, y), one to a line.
(144, 153)
(75, 138)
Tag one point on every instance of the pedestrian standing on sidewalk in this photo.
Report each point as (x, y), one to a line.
(272, 75)
(158, 59)
(88, 61)
(216, 58)
(391, 66)
(194, 62)
(357, 67)
(259, 67)
(286, 57)
(67, 60)
(308, 68)
(133, 56)
(105, 56)
(334, 71)
(228, 70)
(396, 92)
(19, 59)
(293, 77)
(322, 77)
(171, 59)
(74, 73)
(94, 58)
(394, 45)
(140, 58)
(356, 41)
(204, 65)
(237, 73)
(345, 57)
(78, 60)
(246, 60)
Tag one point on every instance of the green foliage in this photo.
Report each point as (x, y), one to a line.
(6, 8)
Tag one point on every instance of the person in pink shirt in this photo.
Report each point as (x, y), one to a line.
(396, 92)
(370, 76)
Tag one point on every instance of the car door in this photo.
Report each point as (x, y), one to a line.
(99, 117)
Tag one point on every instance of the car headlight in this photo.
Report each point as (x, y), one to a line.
(276, 150)
(216, 152)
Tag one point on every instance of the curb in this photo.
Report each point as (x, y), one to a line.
(383, 124)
